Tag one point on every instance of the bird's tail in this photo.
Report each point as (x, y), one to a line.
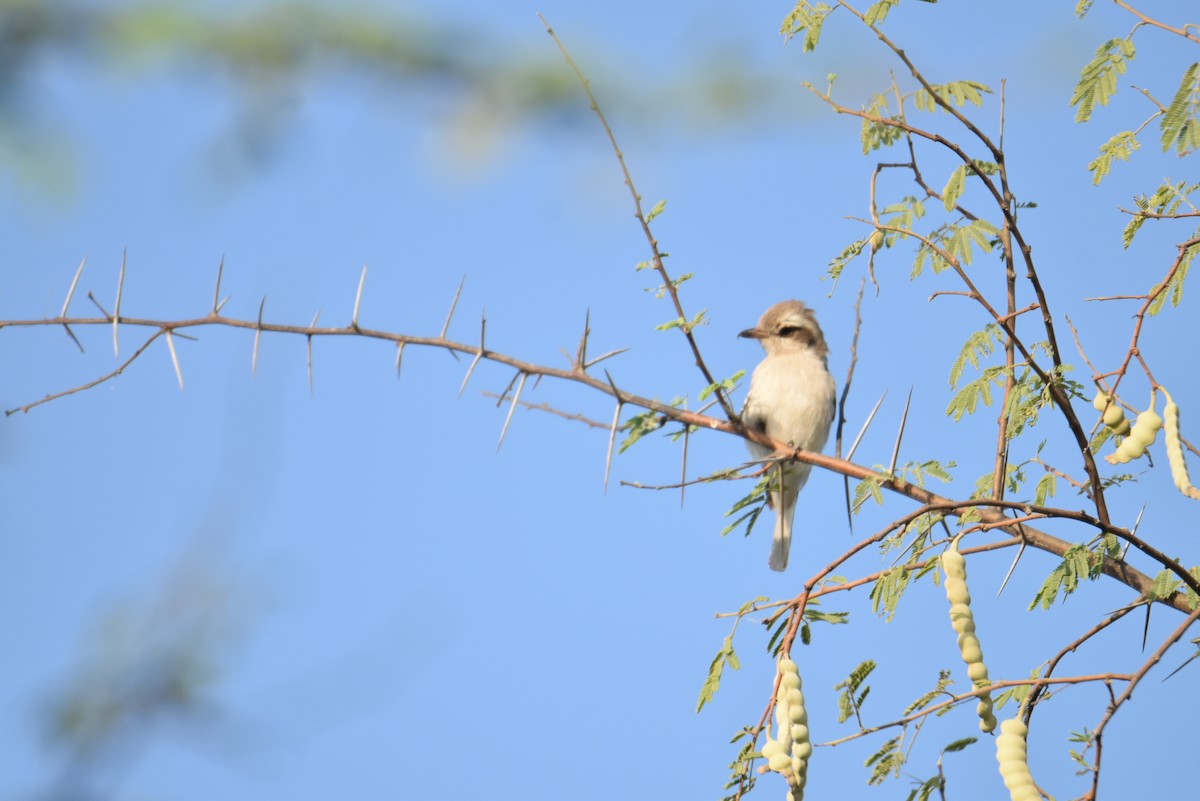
(781, 542)
(784, 500)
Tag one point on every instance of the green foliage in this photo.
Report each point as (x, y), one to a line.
(954, 187)
(1017, 693)
(1166, 200)
(923, 791)
(967, 399)
(1045, 489)
(639, 426)
(880, 132)
(854, 692)
(661, 290)
(726, 385)
(878, 12)
(806, 18)
(939, 689)
(1087, 737)
(957, 92)
(756, 498)
(1098, 82)
(1192, 598)
(981, 343)
(811, 615)
(919, 529)
(954, 243)
(724, 656)
(1083, 7)
(903, 215)
(981, 233)
(887, 589)
(870, 487)
(1120, 147)
(1164, 586)
(1077, 564)
(657, 210)
(1014, 477)
(684, 325)
(740, 774)
(839, 262)
(834, 618)
(1180, 125)
(1030, 395)
(886, 760)
(1174, 286)
(913, 472)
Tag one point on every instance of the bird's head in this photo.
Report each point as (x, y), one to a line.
(789, 327)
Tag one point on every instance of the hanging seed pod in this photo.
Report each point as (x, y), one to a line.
(1014, 761)
(963, 621)
(1179, 471)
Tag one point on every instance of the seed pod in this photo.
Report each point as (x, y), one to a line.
(1114, 415)
(788, 753)
(1179, 471)
(1142, 436)
(1014, 763)
(963, 621)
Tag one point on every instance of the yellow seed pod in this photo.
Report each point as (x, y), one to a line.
(963, 622)
(876, 241)
(788, 753)
(1179, 471)
(1113, 416)
(771, 748)
(780, 762)
(977, 673)
(953, 563)
(1013, 761)
(1145, 428)
(956, 591)
(968, 645)
(961, 618)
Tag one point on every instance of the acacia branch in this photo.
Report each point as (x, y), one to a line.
(669, 285)
(930, 501)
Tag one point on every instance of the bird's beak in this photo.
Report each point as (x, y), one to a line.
(753, 333)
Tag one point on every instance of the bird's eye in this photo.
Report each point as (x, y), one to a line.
(790, 330)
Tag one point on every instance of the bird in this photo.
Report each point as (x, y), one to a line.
(792, 399)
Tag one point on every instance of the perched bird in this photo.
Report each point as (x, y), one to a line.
(792, 399)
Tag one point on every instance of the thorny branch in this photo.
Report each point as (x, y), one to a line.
(1010, 234)
(930, 501)
(671, 286)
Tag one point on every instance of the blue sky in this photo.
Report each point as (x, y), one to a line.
(393, 608)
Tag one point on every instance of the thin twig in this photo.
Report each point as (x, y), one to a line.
(670, 286)
(846, 393)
